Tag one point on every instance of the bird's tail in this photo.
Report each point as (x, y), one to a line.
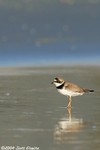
(88, 90)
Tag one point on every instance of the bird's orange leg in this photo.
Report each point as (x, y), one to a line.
(69, 102)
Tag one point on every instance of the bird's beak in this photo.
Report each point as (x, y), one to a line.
(52, 82)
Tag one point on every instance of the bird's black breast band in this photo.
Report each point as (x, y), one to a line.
(60, 86)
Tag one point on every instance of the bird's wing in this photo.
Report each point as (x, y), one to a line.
(74, 87)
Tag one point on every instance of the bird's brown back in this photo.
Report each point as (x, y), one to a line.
(73, 87)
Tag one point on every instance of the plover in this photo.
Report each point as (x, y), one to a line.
(69, 89)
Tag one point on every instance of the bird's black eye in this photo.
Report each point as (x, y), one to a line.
(57, 80)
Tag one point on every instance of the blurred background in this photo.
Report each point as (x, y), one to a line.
(49, 32)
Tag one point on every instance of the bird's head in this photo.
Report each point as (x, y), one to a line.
(58, 81)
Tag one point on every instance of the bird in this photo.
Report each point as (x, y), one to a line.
(69, 89)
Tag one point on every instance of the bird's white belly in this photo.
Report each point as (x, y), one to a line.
(69, 92)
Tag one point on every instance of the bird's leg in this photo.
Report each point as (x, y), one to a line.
(69, 113)
(69, 102)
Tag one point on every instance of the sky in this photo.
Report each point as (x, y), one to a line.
(49, 32)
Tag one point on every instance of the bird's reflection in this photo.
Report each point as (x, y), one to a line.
(66, 126)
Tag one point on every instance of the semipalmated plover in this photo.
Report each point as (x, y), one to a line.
(69, 89)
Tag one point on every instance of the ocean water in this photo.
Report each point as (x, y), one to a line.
(33, 115)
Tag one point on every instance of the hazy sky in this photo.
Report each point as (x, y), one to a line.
(48, 31)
